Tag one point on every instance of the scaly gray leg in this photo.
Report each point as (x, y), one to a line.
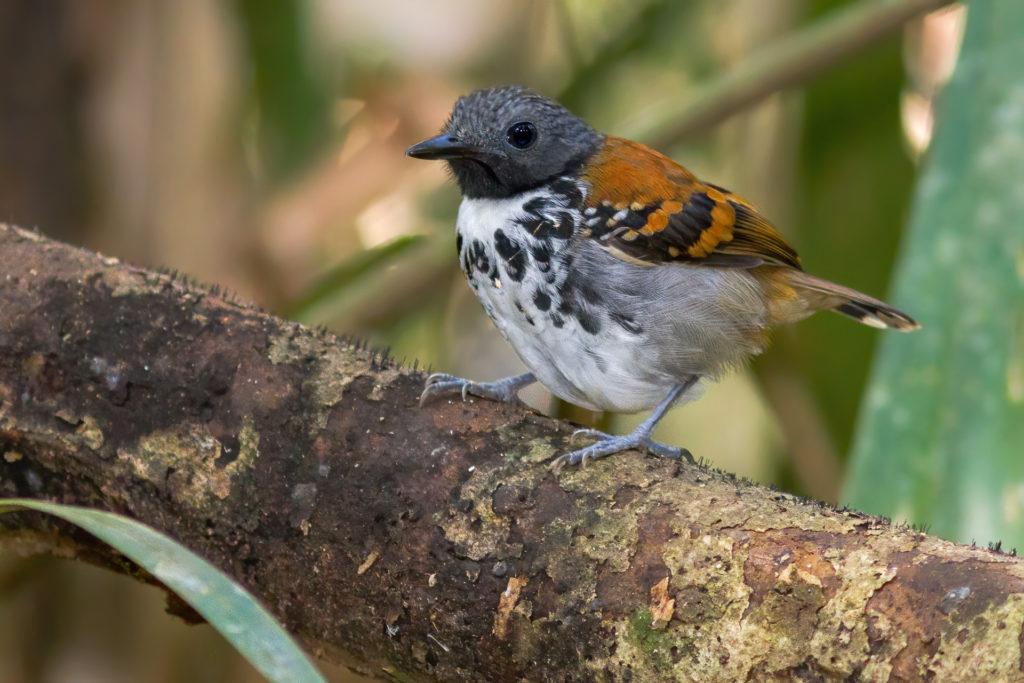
(638, 438)
(441, 384)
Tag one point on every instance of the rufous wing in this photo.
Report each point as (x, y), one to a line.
(645, 208)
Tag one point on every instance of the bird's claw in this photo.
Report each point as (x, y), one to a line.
(443, 384)
(591, 433)
(607, 445)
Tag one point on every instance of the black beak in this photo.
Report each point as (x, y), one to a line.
(442, 147)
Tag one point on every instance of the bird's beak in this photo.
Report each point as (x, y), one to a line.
(442, 147)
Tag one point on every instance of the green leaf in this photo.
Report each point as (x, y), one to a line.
(941, 435)
(338, 279)
(291, 97)
(222, 602)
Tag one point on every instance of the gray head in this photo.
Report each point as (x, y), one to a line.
(503, 141)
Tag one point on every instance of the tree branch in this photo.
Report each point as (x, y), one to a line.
(800, 57)
(434, 543)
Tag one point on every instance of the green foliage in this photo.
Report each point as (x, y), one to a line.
(339, 278)
(291, 106)
(221, 601)
(855, 178)
(941, 432)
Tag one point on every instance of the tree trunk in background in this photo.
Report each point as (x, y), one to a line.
(41, 179)
(435, 543)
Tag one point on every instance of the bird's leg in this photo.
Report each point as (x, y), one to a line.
(441, 384)
(639, 438)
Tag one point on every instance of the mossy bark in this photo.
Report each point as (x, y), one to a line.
(435, 543)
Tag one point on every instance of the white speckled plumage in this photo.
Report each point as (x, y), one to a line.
(619, 278)
(710, 319)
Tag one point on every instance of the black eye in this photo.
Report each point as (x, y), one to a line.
(521, 135)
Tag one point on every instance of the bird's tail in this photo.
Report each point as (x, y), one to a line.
(850, 302)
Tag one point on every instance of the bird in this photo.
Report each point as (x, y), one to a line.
(620, 279)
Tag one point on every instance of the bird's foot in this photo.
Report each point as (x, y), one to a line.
(607, 444)
(505, 390)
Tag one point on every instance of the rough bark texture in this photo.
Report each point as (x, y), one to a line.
(434, 543)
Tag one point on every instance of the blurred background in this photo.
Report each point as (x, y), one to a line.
(259, 145)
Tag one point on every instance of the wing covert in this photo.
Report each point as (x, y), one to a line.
(646, 208)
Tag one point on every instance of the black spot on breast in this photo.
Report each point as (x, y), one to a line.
(569, 190)
(565, 226)
(458, 242)
(557, 320)
(516, 267)
(561, 227)
(530, 320)
(571, 306)
(541, 300)
(588, 321)
(545, 229)
(536, 205)
(626, 322)
(532, 224)
(478, 258)
(506, 247)
(512, 254)
(542, 255)
(574, 286)
(589, 292)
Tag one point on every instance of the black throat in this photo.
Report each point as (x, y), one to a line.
(477, 180)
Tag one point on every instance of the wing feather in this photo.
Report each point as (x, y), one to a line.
(645, 207)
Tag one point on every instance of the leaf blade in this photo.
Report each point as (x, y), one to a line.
(228, 607)
(340, 277)
(941, 430)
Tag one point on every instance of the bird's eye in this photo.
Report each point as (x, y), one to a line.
(521, 135)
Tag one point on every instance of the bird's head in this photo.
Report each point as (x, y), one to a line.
(502, 141)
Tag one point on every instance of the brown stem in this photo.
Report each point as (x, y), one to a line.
(794, 60)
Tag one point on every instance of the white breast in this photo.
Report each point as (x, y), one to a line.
(477, 223)
(598, 331)
(597, 371)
